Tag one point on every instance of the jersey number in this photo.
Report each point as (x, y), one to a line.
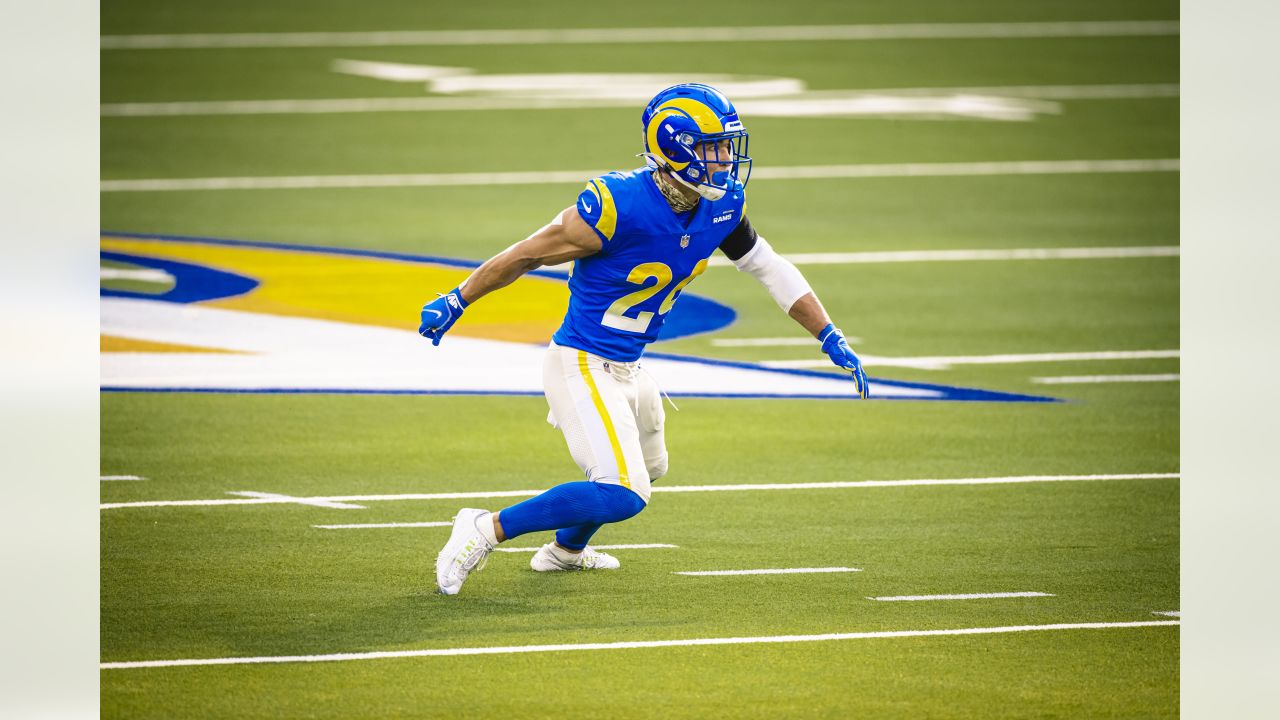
(616, 316)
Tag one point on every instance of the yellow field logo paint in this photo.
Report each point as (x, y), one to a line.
(363, 290)
(209, 315)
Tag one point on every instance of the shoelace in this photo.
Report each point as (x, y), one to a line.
(475, 561)
(477, 555)
(589, 558)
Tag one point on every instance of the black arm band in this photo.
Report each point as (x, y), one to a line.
(740, 241)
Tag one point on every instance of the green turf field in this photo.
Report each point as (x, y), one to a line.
(261, 581)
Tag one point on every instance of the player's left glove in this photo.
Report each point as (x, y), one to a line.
(440, 314)
(834, 345)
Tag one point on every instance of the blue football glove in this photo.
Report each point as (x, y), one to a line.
(440, 314)
(834, 345)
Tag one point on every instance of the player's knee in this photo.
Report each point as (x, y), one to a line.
(657, 468)
(631, 505)
(620, 502)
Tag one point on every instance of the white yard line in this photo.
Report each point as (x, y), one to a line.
(970, 596)
(514, 649)
(810, 172)
(1085, 379)
(847, 104)
(1040, 92)
(914, 483)
(641, 546)
(456, 104)
(317, 502)
(663, 35)
(326, 106)
(768, 571)
(771, 341)
(120, 477)
(944, 362)
(366, 526)
(348, 181)
(1030, 167)
(903, 256)
(268, 498)
(1169, 613)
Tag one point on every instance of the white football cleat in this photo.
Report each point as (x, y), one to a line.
(464, 553)
(549, 558)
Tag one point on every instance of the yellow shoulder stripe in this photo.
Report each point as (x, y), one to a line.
(608, 222)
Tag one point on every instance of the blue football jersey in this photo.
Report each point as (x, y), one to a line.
(620, 296)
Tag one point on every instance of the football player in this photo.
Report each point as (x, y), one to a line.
(636, 239)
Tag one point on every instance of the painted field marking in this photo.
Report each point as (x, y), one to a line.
(773, 341)
(120, 477)
(509, 650)
(810, 172)
(757, 96)
(911, 483)
(268, 498)
(969, 596)
(1084, 379)
(944, 362)
(956, 169)
(849, 105)
(1044, 92)
(1170, 613)
(642, 546)
(150, 275)
(317, 502)
(780, 33)
(365, 526)
(455, 104)
(906, 256)
(768, 571)
(325, 106)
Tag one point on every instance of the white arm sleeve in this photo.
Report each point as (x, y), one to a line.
(783, 281)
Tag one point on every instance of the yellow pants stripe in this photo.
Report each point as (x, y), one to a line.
(604, 417)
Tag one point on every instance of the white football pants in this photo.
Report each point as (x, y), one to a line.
(611, 415)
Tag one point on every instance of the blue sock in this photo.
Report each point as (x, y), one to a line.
(571, 505)
(576, 537)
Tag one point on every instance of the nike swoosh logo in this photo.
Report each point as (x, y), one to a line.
(433, 312)
(586, 207)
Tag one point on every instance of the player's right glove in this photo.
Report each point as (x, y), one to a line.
(440, 314)
(836, 348)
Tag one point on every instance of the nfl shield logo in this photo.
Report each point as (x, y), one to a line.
(684, 241)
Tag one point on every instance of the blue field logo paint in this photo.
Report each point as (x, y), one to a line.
(260, 317)
(191, 283)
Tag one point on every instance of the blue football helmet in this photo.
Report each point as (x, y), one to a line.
(684, 128)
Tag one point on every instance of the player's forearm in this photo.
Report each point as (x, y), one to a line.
(565, 238)
(784, 282)
(809, 313)
(496, 273)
